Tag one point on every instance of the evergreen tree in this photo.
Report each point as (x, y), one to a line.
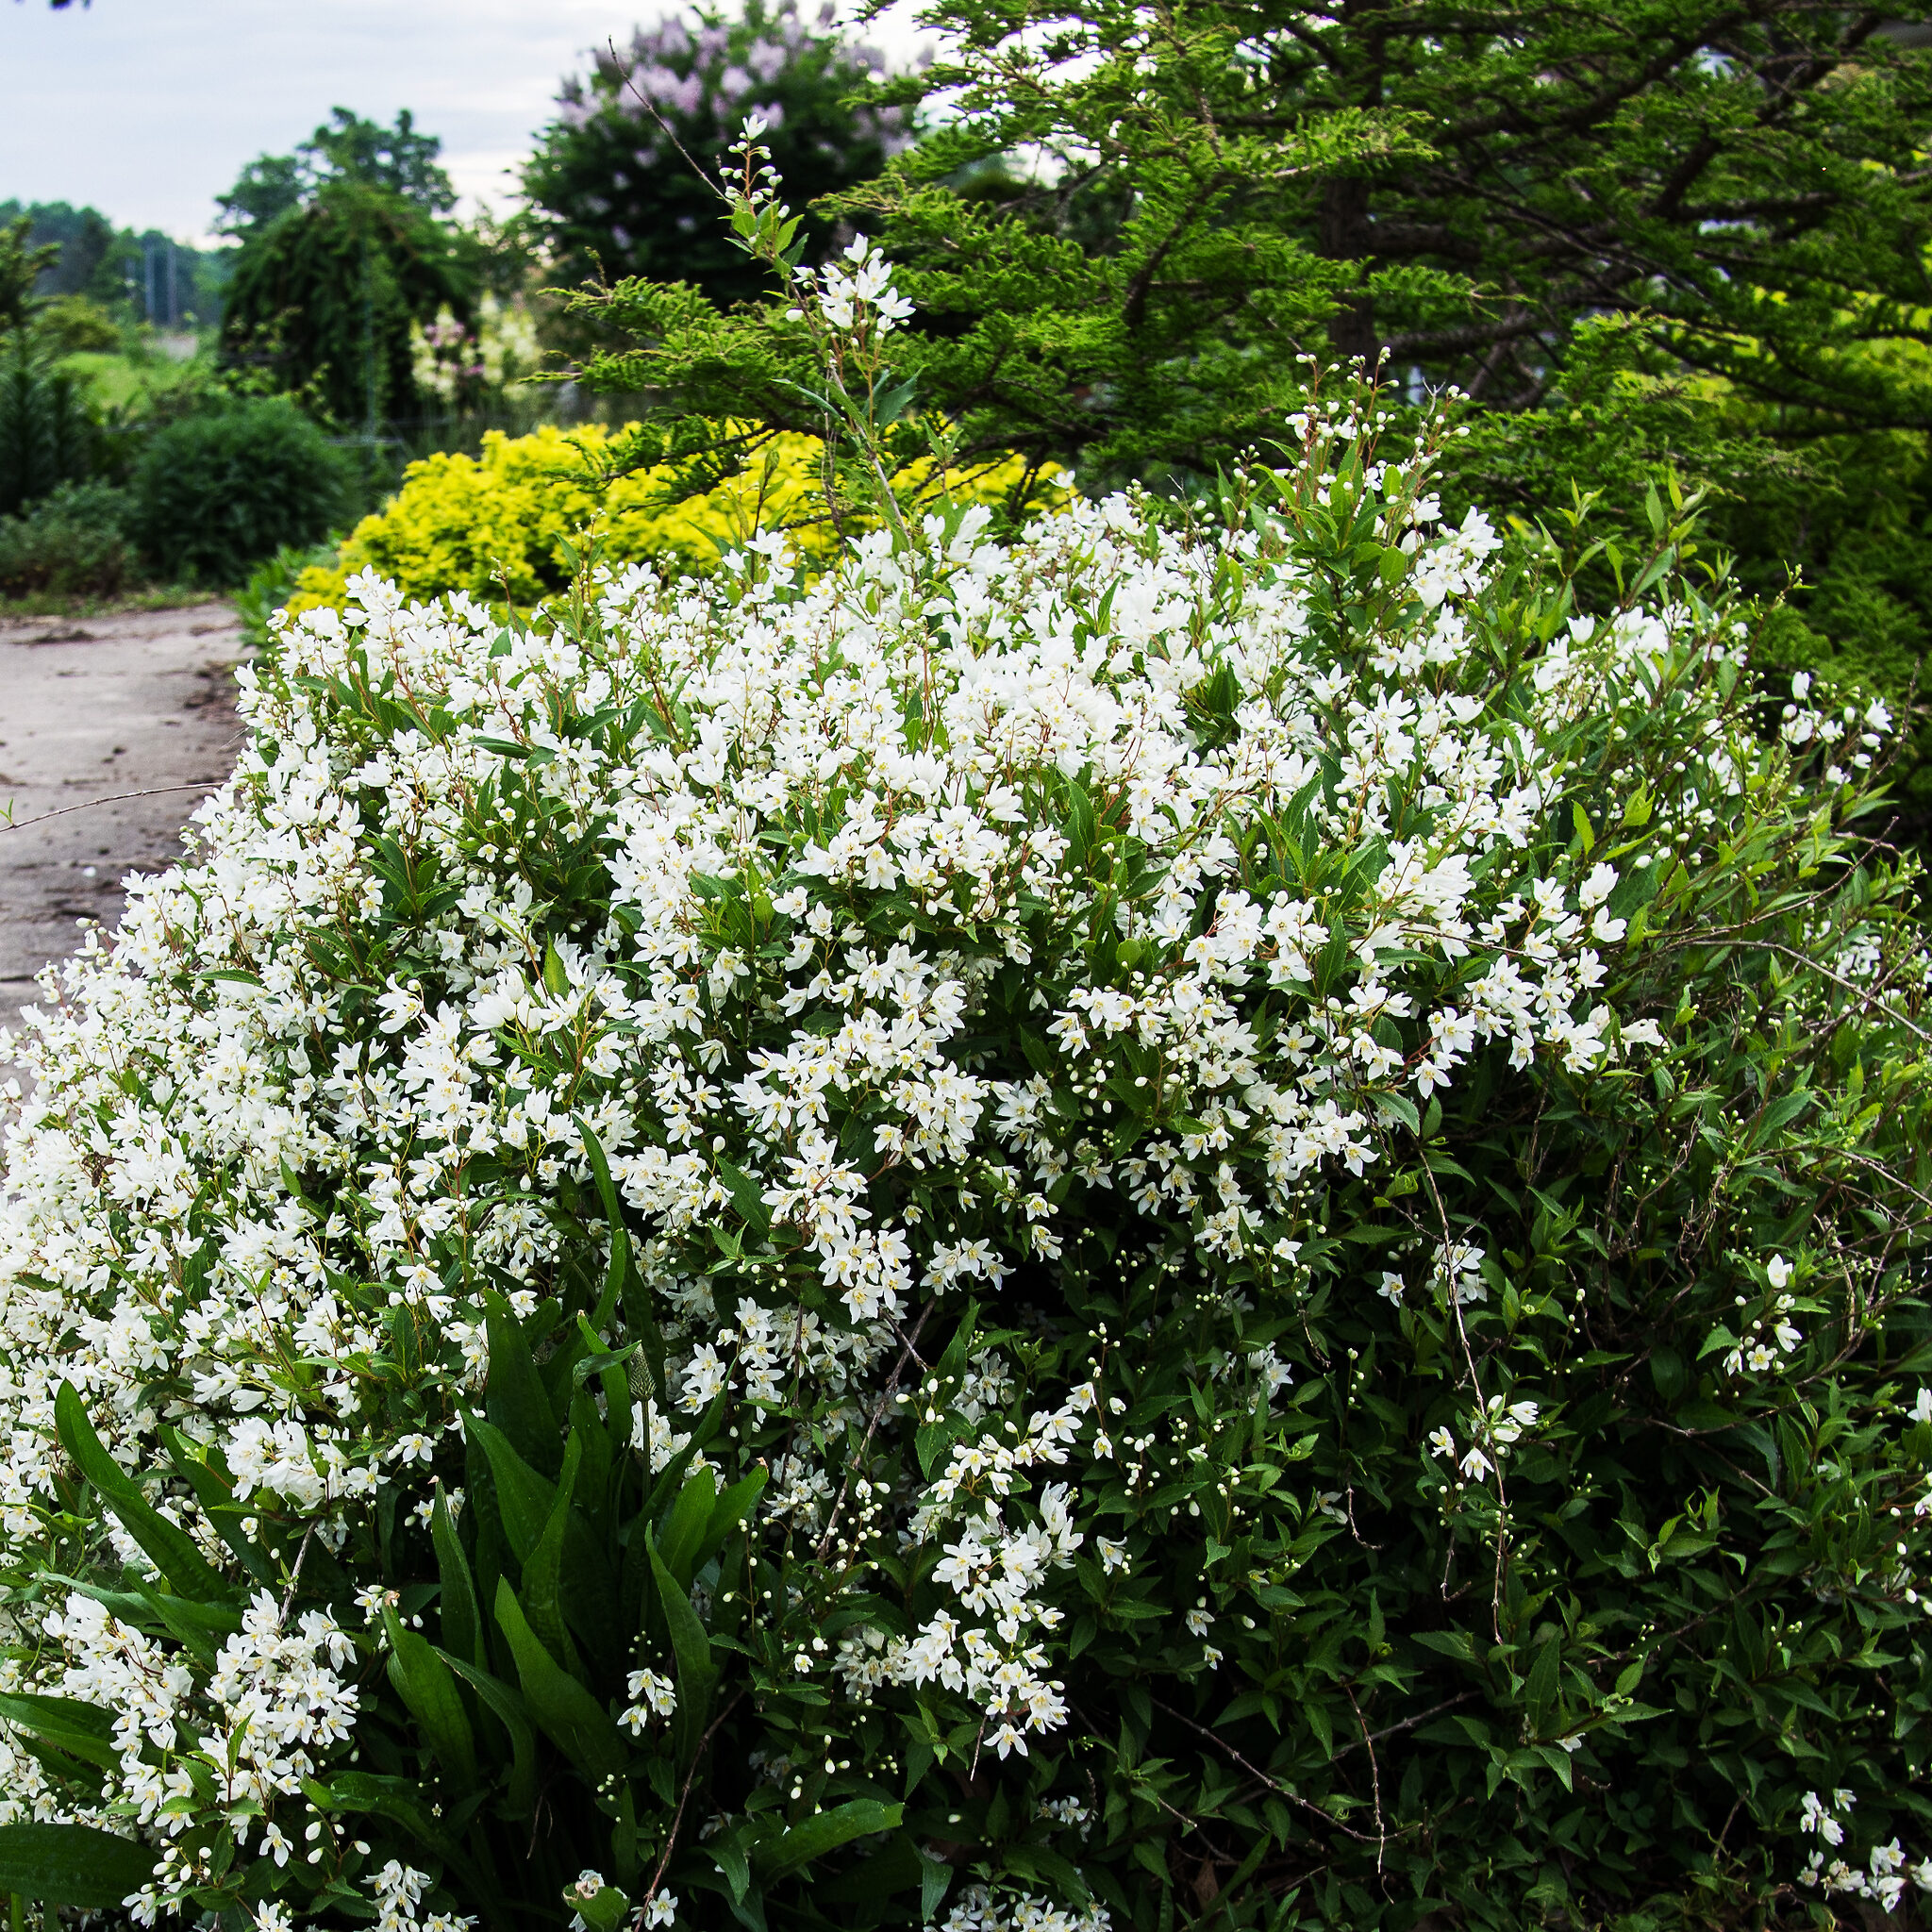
(1213, 187)
(401, 160)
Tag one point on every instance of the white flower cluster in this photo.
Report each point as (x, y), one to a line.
(979, 1910)
(255, 1726)
(329, 1081)
(855, 293)
(1492, 1432)
(1864, 727)
(1772, 1336)
(1883, 1881)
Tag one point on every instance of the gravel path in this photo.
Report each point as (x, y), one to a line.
(94, 711)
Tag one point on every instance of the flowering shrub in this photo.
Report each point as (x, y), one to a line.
(611, 185)
(1161, 1219)
(509, 522)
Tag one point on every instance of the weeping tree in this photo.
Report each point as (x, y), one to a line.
(325, 297)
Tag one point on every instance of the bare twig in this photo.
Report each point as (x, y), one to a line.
(1275, 1785)
(295, 1575)
(684, 1793)
(906, 1354)
(111, 798)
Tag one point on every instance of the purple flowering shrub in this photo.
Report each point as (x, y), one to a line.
(613, 195)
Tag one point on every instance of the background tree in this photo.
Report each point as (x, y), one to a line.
(22, 266)
(137, 276)
(402, 161)
(326, 295)
(612, 196)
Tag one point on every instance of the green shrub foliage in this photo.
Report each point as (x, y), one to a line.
(46, 436)
(72, 543)
(215, 493)
(1212, 1223)
(1465, 190)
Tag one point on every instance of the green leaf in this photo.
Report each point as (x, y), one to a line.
(1544, 1677)
(573, 1719)
(542, 1590)
(691, 1648)
(515, 1715)
(604, 1908)
(933, 1880)
(620, 1236)
(170, 1549)
(423, 1681)
(691, 1515)
(731, 1508)
(72, 1865)
(514, 1399)
(523, 1498)
(815, 1837)
(82, 1730)
(463, 1627)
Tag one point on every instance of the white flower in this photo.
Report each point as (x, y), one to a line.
(1777, 1271)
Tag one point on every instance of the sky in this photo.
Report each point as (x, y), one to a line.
(148, 109)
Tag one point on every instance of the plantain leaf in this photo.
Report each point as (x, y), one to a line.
(691, 1648)
(82, 1730)
(731, 1508)
(462, 1634)
(515, 1715)
(689, 1516)
(827, 1831)
(423, 1683)
(523, 1498)
(514, 1399)
(573, 1721)
(542, 1595)
(620, 1236)
(170, 1549)
(72, 1865)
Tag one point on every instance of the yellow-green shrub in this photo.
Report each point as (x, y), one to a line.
(497, 524)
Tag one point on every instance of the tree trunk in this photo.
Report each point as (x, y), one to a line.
(1344, 236)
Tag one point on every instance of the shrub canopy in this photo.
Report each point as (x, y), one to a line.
(1161, 1219)
(217, 493)
(1219, 187)
(512, 522)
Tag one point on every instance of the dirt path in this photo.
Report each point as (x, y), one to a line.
(92, 711)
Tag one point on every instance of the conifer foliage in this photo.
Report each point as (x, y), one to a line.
(1129, 219)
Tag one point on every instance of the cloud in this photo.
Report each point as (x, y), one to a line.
(148, 109)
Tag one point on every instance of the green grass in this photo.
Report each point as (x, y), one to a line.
(115, 379)
(151, 597)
